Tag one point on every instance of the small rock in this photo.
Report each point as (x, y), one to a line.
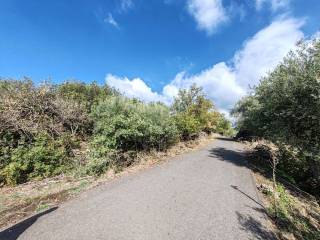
(265, 189)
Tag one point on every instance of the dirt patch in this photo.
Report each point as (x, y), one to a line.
(17, 203)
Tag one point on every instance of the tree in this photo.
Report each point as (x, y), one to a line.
(194, 113)
(285, 107)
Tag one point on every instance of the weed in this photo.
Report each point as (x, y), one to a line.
(83, 184)
(42, 207)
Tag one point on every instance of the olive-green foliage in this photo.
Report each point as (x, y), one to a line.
(42, 157)
(128, 124)
(38, 128)
(285, 108)
(191, 110)
(188, 98)
(26, 110)
(74, 96)
(123, 125)
(223, 126)
(86, 94)
(195, 113)
(188, 125)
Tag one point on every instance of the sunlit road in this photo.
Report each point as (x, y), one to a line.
(205, 194)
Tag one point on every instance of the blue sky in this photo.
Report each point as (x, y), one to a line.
(149, 49)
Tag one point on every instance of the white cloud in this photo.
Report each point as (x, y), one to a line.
(218, 82)
(136, 88)
(226, 83)
(209, 14)
(266, 49)
(316, 35)
(275, 5)
(110, 20)
(126, 5)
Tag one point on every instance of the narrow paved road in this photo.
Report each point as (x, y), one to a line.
(205, 194)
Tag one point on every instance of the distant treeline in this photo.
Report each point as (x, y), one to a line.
(285, 109)
(51, 129)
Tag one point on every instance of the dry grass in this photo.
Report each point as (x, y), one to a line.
(298, 216)
(298, 213)
(19, 202)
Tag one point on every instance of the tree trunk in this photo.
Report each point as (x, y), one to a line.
(275, 195)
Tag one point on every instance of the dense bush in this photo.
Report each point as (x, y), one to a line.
(128, 124)
(285, 108)
(84, 94)
(125, 125)
(194, 113)
(42, 157)
(44, 129)
(188, 125)
(222, 125)
(26, 110)
(37, 130)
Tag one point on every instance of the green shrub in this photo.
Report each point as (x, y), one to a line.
(100, 162)
(27, 110)
(98, 166)
(123, 125)
(40, 126)
(126, 124)
(285, 109)
(42, 158)
(223, 126)
(87, 94)
(188, 125)
(195, 113)
(38, 129)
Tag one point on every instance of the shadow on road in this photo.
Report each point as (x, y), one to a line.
(15, 231)
(250, 224)
(248, 196)
(225, 139)
(247, 222)
(231, 156)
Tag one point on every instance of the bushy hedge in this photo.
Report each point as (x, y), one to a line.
(128, 124)
(124, 125)
(38, 130)
(85, 94)
(285, 109)
(195, 113)
(42, 157)
(44, 128)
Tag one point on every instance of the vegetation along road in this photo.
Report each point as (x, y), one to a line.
(205, 194)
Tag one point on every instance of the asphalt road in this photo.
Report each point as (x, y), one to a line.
(205, 194)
